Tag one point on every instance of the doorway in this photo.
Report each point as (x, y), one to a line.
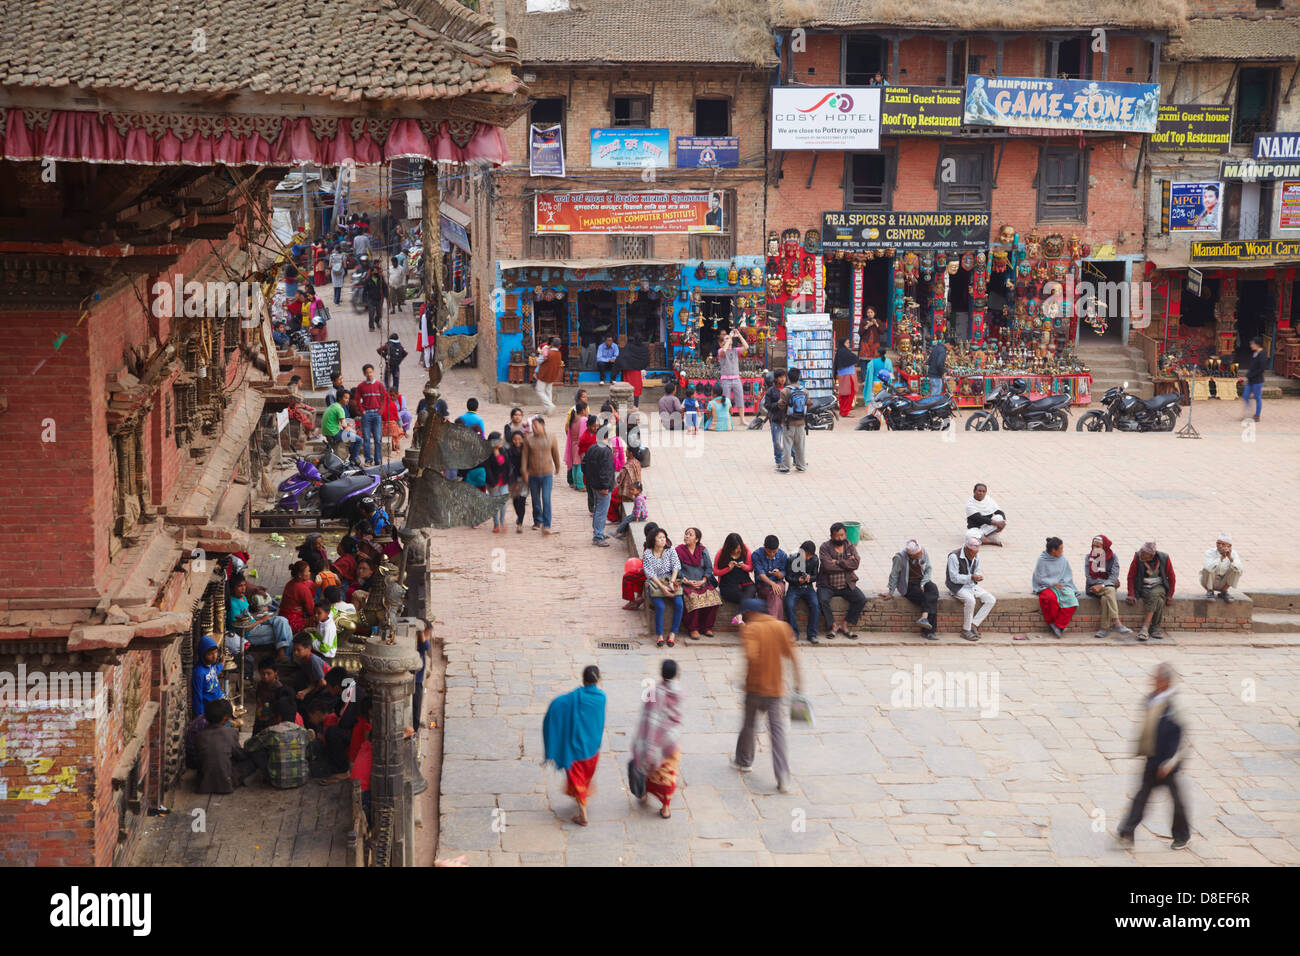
(1255, 309)
(551, 320)
(1108, 297)
(597, 317)
(716, 312)
(645, 317)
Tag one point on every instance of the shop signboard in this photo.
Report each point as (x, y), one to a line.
(826, 118)
(1275, 146)
(1252, 170)
(1245, 250)
(1288, 211)
(920, 110)
(642, 213)
(1193, 207)
(855, 231)
(708, 151)
(629, 147)
(1192, 128)
(545, 150)
(326, 362)
(1046, 103)
(1195, 281)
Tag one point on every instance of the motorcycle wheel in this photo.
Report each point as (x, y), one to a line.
(1093, 422)
(869, 424)
(358, 303)
(392, 495)
(1168, 418)
(1059, 422)
(982, 422)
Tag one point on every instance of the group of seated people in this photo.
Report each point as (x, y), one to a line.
(686, 584)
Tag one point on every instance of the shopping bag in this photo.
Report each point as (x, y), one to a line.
(635, 780)
(801, 710)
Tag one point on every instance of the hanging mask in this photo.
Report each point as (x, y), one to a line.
(773, 245)
(806, 285)
(791, 286)
(711, 274)
(1006, 235)
(1054, 246)
(1076, 247)
(742, 278)
(812, 242)
(756, 276)
(699, 272)
(733, 276)
(968, 261)
(774, 286)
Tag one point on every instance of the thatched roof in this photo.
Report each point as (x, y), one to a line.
(980, 14)
(1234, 38)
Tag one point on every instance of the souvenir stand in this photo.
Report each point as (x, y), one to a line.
(1030, 336)
(712, 300)
(810, 347)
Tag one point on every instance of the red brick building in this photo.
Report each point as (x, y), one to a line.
(132, 427)
(1079, 184)
(653, 73)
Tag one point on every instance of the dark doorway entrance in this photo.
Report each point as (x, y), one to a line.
(714, 309)
(645, 317)
(597, 317)
(1255, 308)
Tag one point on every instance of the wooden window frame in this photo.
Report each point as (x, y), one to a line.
(1060, 212)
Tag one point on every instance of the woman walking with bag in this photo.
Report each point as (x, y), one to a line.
(656, 748)
(662, 567)
(700, 596)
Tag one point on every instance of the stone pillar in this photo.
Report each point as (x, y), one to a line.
(388, 670)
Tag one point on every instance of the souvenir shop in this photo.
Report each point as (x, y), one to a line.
(580, 302)
(713, 299)
(1003, 306)
(1205, 314)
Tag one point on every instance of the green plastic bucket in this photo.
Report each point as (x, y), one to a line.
(854, 530)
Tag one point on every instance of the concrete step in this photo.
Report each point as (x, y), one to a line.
(1284, 601)
(1272, 622)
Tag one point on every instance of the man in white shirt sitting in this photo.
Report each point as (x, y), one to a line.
(1222, 569)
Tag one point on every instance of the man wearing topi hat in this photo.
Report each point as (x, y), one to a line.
(963, 578)
(1222, 569)
(909, 575)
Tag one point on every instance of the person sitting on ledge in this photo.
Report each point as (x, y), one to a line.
(1151, 578)
(837, 577)
(1053, 582)
(984, 517)
(1101, 580)
(1222, 569)
(909, 575)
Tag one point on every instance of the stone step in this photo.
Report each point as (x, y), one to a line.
(1272, 622)
(1285, 601)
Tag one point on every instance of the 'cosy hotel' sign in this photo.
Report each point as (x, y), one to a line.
(831, 118)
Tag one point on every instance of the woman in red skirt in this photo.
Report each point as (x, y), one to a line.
(1053, 582)
(572, 732)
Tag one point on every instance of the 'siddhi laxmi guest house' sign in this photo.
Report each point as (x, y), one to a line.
(1043, 103)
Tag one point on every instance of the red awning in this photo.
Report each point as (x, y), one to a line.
(206, 139)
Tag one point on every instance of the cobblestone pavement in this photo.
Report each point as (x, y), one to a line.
(878, 781)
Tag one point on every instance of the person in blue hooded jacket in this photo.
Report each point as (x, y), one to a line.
(571, 734)
(205, 682)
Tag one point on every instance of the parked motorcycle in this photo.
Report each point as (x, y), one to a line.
(902, 412)
(1128, 413)
(306, 492)
(392, 491)
(1020, 413)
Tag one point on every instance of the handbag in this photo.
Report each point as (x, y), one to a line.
(635, 779)
(655, 590)
(704, 596)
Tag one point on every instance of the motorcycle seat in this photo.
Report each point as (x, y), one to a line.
(1160, 401)
(931, 402)
(1048, 402)
(386, 470)
(335, 491)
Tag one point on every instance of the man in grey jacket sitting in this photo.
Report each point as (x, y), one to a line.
(963, 578)
(909, 575)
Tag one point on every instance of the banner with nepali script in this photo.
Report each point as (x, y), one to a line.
(1046, 103)
(596, 213)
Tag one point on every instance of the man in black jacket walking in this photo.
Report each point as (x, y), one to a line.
(776, 417)
(598, 474)
(1163, 743)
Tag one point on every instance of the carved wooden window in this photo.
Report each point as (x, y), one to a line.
(130, 483)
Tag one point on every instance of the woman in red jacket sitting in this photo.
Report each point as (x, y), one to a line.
(298, 603)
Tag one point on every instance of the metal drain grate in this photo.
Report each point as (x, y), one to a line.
(613, 646)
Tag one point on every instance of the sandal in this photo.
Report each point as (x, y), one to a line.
(659, 643)
(671, 642)
(579, 821)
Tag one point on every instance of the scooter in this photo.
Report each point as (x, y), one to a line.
(306, 492)
(392, 491)
(902, 412)
(1128, 413)
(1019, 413)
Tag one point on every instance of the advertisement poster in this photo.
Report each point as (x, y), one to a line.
(628, 147)
(1288, 213)
(599, 213)
(1192, 128)
(817, 117)
(1061, 104)
(858, 231)
(545, 150)
(1195, 207)
(920, 110)
(1245, 250)
(697, 151)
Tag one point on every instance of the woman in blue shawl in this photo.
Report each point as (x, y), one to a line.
(571, 734)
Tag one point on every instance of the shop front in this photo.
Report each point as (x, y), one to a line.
(1213, 298)
(1001, 302)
